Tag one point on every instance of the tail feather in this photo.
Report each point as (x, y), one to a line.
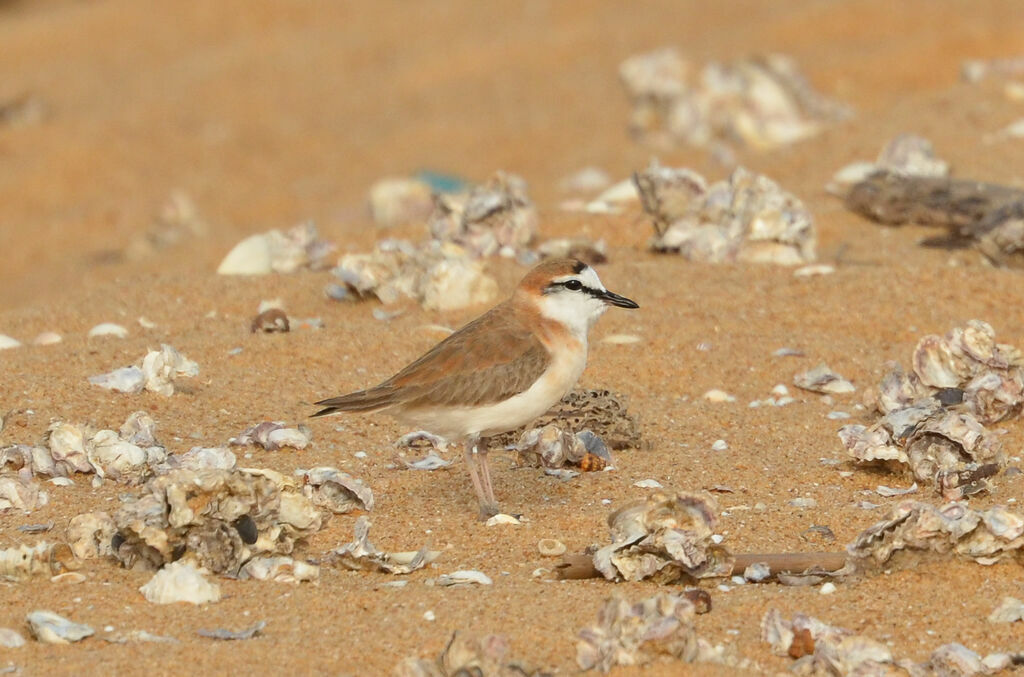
(362, 400)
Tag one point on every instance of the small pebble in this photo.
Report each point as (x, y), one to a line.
(738, 580)
(788, 352)
(780, 390)
(717, 538)
(621, 339)
(502, 519)
(716, 395)
(828, 588)
(757, 572)
(837, 415)
(7, 342)
(146, 323)
(235, 351)
(647, 484)
(719, 445)
(11, 639)
(428, 615)
(360, 454)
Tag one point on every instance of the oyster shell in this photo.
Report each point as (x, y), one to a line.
(180, 581)
(50, 628)
(666, 537)
(90, 535)
(280, 569)
(747, 217)
(496, 216)
(273, 435)
(336, 491)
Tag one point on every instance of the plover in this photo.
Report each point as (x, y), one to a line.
(500, 371)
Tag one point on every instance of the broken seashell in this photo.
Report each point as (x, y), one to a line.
(47, 338)
(464, 577)
(203, 458)
(157, 372)
(464, 656)
(108, 329)
(123, 380)
(180, 581)
(361, 555)
(133, 636)
(43, 559)
(1010, 610)
(273, 435)
(429, 462)
(6, 342)
(494, 216)
(274, 251)
(11, 639)
(821, 379)
(335, 490)
(90, 534)
(279, 569)
(50, 628)
(17, 493)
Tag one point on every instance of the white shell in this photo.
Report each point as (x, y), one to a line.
(465, 577)
(180, 582)
(47, 338)
(108, 329)
(11, 639)
(123, 380)
(7, 342)
(251, 256)
(501, 518)
(50, 628)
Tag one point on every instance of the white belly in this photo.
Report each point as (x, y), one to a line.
(458, 422)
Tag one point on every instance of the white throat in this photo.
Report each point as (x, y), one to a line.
(576, 311)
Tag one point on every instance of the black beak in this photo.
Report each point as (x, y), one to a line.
(614, 299)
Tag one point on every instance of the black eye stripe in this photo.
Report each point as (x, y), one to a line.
(559, 286)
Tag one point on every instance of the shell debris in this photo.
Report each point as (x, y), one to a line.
(604, 413)
(395, 201)
(157, 372)
(822, 649)
(666, 537)
(821, 379)
(639, 633)
(336, 491)
(273, 435)
(933, 418)
(464, 577)
(904, 155)
(912, 528)
(108, 329)
(760, 102)
(21, 562)
(218, 518)
(362, 555)
(498, 216)
(51, 628)
(552, 447)
(280, 569)
(297, 248)
(746, 218)
(20, 493)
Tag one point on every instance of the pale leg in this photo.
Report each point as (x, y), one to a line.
(481, 477)
(485, 477)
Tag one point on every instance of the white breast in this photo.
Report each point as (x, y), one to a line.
(459, 422)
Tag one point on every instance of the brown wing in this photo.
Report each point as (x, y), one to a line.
(491, 358)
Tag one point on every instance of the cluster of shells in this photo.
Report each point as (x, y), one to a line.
(746, 217)
(445, 272)
(666, 537)
(759, 102)
(822, 649)
(933, 419)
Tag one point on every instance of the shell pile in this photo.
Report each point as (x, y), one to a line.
(665, 538)
(128, 455)
(438, 275)
(156, 372)
(759, 102)
(637, 634)
(497, 217)
(746, 217)
(217, 518)
(933, 419)
(552, 447)
(280, 252)
(822, 649)
(914, 528)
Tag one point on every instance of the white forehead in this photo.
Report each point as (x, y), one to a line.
(587, 276)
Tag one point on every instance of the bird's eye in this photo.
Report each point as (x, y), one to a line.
(573, 285)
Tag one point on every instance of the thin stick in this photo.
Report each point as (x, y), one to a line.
(579, 567)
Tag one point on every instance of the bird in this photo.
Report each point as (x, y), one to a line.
(498, 372)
